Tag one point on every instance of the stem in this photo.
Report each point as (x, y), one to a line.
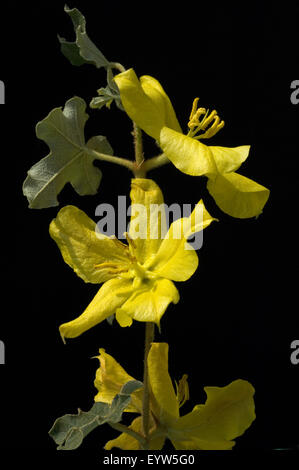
(149, 337)
(110, 158)
(123, 428)
(118, 66)
(155, 162)
(139, 171)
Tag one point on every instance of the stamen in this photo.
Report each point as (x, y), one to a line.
(112, 268)
(118, 242)
(194, 107)
(130, 240)
(196, 125)
(182, 390)
(105, 265)
(216, 126)
(207, 120)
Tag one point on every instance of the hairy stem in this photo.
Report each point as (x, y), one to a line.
(117, 66)
(139, 171)
(110, 158)
(149, 337)
(155, 162)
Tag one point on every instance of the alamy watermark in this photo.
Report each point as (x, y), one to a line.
(294, 97)
(152, 222)
(294, 357)
(2, 353)
(2, 92)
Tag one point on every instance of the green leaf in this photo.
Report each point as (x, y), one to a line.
(68, 161)
(107, 95)
(71, 51)
(70, 430)
(83, 50)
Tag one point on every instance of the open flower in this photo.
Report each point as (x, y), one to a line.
(226, 414)
(137, 277)
(147, 104)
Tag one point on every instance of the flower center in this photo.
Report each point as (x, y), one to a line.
(131, 269)
(202, 123)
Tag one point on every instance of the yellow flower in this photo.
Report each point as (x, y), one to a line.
(137, 276)
(226, 414)
(147, 104)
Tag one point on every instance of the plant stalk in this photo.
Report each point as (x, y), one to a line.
(139, 172)
(111, 158)
(139, 168)
(155, 162)
(149, 337)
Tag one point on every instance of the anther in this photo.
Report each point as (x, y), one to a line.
(130, 240)
(118, 242)
(105, 265)
(194, 107)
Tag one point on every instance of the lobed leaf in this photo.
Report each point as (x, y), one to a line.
(83, 50)
(68, 160)
(69, 430)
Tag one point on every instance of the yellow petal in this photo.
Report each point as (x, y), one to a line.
(227, 413)
(110, 377)
(229, 159)
(188, 155)
(82, 249)
(146, 103)
(156, 93)
(148, 221)
(110, 296)
(201, 444)
(176, 259)
(237, 195)
(123, 318)
(150, 301)
(126, 442)
(165, 404)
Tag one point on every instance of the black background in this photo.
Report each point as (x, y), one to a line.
(238, 314)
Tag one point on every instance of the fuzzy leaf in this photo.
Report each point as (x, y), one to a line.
(68, 160)
(108, 94)
(83, 50)
(69, 430)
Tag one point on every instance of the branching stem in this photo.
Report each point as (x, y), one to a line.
(111, 158)
(155, 162)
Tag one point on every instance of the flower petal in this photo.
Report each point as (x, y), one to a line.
(187, 154)
(165, 404)
(110, 377)
(200, 444)
(227, 413)
(229, 159)
(82, 248)
(146, 103)
(150, 301)
(237, 195)
(156, 93)
(110, 296)
(127, 442)
(148, 221)
(176, 259)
